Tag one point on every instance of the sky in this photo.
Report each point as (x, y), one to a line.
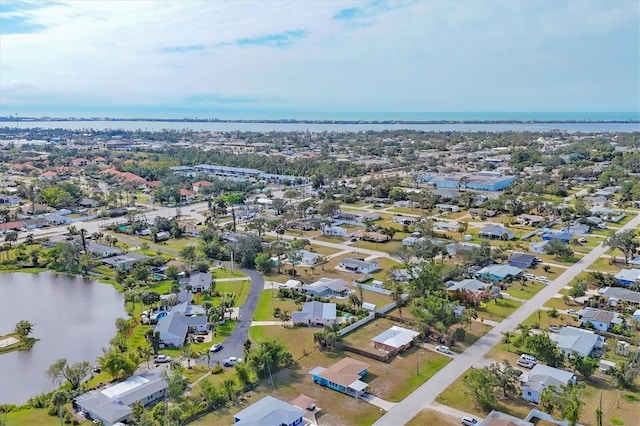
(147, 58)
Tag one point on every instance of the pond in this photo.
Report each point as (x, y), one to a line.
(74, 318)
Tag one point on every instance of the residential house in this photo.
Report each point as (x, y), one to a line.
(447, 226)
(198, 186)
(578, 229)
(315, 313)
(335, 231)
(80, 162)
(572, 340)
(405, 220)
(447, 208)
(343, 376)
(634, 262)
(531, 219)
(358, 266)
(199, 282)
(498, 418)
(557, 235)
(498, 273)
(112, 404)
(10, 226)
(48, 176)
(411, 241)
(375, 237)
(454, 249)
(614, 295)
(628, 277)
(328, 287)
(496, 232)
(102, 250)
(99, 160)
(479, 289)
(269, 411)
(538, 247)
(181, 319)
(395, 339)
(599, 319)
(523, 260)
(124, 261)
(187, 196)
(88, 203)
(540, 377)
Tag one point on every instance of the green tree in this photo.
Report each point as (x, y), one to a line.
(23, 328)
(480, 384)
(584, 365)
(625, 242)
(58, 399)
(545, 349)
(74, 374)
(264, 263)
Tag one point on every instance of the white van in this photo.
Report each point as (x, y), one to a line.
(528, 361)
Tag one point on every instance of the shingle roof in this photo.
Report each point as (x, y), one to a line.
(268, 411)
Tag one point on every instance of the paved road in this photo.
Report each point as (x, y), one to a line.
(426, 394)
(234, 344)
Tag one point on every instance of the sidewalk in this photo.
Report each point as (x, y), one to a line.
(378, 402)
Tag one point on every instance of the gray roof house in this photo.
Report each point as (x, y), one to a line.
(327, 287)
(540, 377)
(582, 342)
(315, 313)
(181, 319)
(615, 294)
(599, 319)
(269, 411)
(112, 404)
(496, 232)
(472, 285)
(124, 261)
(199, 282)
(102, 250)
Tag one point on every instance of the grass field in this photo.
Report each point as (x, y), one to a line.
(525, 292)
(267, 302)
(497, 311)
(431, 417)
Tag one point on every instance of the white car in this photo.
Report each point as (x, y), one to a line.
(469, 421)
(230, 362)
(529, 276)
(572, 312)
(162, 359)
(444, 349)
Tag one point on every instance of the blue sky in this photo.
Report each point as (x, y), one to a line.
(134, 57)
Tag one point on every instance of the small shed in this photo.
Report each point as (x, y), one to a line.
(607, 366)
(369, 306)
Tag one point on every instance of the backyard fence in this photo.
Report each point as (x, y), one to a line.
(357, 324)
(396, 319)
(378, 357)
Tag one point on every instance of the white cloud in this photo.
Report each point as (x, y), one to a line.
(420, 56)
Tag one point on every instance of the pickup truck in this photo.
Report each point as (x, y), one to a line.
(230, 362)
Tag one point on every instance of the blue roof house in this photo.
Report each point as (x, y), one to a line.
(557, 235)
(269, 411)
(498, 273)
(628, 277)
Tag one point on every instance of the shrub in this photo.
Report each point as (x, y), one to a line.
(553, 313)
(217, 369)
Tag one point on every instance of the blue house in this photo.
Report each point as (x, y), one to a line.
(343, 376)
(497, 273)
(540, 377)
(555, 235)
(628, 276)
(269, 411)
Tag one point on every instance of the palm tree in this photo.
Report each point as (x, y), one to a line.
(355, 300)
(58, 400)
(397, 290)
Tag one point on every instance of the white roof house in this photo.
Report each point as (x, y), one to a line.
(112, 404)
(269, 411)
(572, 340)
(542, 376)
(395, 338)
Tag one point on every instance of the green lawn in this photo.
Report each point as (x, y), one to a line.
(526, 292)
(267, 302)
(223, 272)
(240, 288)
(497, 311)
(30, 417)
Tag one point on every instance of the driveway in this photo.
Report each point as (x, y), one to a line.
(234, 344)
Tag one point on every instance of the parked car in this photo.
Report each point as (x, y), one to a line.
(162, 359)
(469, 421)
(542, 279)
(529, 276)
(230, 362)
(216, 347)
(444, 349)
(527, 361)
(582, 240)
(572, 312)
